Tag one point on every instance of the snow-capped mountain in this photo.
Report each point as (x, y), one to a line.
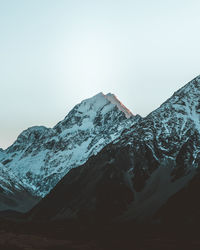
(41, 156)
(134, 176)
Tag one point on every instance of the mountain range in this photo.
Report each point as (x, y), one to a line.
(102, 163)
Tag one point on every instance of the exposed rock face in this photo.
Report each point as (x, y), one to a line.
(41, 156)
(135, 175)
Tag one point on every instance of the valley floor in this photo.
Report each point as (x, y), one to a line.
(11, 241)
(50, 236)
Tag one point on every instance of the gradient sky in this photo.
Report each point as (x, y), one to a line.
(55, 53)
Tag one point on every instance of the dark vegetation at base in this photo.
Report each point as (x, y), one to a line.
(72, 234)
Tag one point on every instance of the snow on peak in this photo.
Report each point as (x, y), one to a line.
(100, 109)
(114, 100)
(100, 100)
(94, 103)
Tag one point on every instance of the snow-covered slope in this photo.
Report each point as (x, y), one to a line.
(174, 124)
(41, 156)
(8, 181)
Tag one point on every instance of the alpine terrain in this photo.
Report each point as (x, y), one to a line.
(103, 178)
(140, 175)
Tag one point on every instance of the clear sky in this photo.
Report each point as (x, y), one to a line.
(55, 53)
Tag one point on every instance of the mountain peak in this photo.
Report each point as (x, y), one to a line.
(100, 99)
(114, 100)
(93, 103)
(98, 107)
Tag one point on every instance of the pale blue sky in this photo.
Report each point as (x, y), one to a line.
(55, 53)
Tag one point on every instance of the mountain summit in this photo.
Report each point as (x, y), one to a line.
(94, 111)
(41, 156)
(114, 100)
